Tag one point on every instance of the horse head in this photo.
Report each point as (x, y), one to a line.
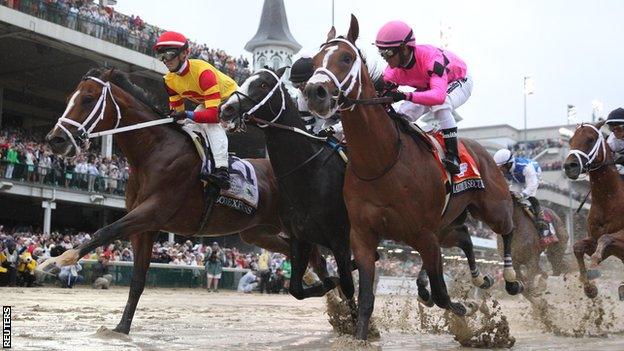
(587, 150)
(90, 107)
(338, 73)
(258, 93)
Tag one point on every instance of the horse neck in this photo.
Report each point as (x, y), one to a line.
(606, 187)
(371, 135)
(286, 148)
(139, 145)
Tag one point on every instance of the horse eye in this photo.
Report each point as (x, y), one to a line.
(264, 85)
(346, 59)
(87, 100)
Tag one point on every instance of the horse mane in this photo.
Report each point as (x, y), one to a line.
(122, 80)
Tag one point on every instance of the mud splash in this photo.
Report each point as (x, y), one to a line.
(339, 314)
(487, 328)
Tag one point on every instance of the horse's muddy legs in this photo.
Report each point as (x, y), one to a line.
(512, 285)
(582, 247)
(142, 247)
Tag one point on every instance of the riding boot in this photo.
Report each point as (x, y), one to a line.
(451, 157)
(220, 177)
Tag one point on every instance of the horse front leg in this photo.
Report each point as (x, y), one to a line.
(512, 285)
(582, 247)
(148, 216)
(300, 257)
(343, 262)
(142, 247)
(364, 245)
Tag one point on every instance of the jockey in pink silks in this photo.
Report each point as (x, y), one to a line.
(439, 77)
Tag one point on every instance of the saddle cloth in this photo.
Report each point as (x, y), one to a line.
(469, 177)
(243, 193)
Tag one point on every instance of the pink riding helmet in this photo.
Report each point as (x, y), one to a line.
(395, 33)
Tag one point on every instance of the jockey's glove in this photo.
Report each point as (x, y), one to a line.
(327, 132)
(181, 115)
(396, 95)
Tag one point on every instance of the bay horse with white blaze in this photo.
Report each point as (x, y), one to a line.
(393, 185)
(309, 173)
(164, 192)
(589, 153)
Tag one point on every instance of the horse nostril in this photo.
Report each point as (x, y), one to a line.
(321, 92)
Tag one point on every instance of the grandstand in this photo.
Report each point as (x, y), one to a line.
(46, 48)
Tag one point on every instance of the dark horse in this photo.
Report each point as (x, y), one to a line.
(393, 186)
(309, 173)
(589, 153)
(526, 249)
(164, 191)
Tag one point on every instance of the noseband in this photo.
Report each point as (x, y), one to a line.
(590, 157)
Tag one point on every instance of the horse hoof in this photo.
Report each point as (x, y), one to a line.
(488, 282)
(621, 292)
(457, 308)
(591, 290)
(514, 288)
(425, 298)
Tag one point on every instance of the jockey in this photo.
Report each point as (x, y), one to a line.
(202, 84)
(439, 76)
(300, 72)
(615, 122)
(524, 171)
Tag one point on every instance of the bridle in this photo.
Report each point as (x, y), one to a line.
(247, 115)
(93, 119)
(590, 157)
(355, 74)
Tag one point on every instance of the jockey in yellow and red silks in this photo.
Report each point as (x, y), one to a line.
(201, 83)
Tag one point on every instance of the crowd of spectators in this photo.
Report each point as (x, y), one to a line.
(132, 31)
(273, 267)
(530, 149)
(25, 157)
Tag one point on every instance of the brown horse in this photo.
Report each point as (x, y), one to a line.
(526, 249)
(589, 153)
(164, 192)
(393, 185)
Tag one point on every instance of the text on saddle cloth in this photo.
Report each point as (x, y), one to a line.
(243, 194)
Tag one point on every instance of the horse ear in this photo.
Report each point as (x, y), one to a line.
(354, 30)
(280, 72)
(331, 34)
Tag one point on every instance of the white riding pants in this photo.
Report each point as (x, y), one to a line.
(218, 140)
(457, 94)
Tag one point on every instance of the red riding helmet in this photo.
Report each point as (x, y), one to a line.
(171, 40)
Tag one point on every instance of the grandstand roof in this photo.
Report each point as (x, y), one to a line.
(273, 29)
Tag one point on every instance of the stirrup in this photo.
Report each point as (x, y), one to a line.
(221, 178)
(451, 167)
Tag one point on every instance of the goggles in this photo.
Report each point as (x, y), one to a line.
(388, 53)
(167, 55)
(616, 127)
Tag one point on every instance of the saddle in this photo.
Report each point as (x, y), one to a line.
(243, 194)
(468, 178)
(548, 218)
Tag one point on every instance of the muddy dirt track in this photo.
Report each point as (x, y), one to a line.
(183, 319)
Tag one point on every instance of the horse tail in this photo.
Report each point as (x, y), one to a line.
(556, 252)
